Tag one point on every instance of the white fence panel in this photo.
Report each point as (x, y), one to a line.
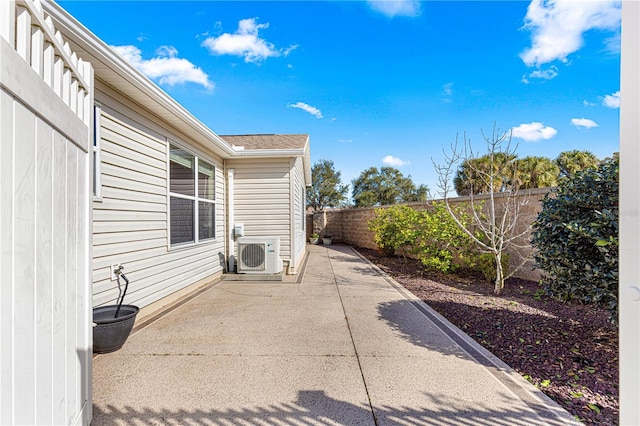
(45, 229)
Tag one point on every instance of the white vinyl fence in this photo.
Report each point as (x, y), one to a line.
(46, 102)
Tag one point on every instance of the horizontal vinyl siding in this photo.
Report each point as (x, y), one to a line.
(149, 277)
(120, 175)
(130, 222)
(299, 233)
(262, 199)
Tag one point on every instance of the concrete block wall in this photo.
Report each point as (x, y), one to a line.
(350, 226)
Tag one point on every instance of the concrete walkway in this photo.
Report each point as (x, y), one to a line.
(345, 346)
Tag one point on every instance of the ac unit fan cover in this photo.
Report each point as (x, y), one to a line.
(253, 255)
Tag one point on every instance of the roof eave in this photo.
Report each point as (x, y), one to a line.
(137, 84)
(271, 153)
(76, 33)
(280, 153)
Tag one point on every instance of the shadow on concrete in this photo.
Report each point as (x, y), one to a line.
(392, 314)
(365, 270)
(316, 408)
(344, 258)
(458, 411)
(395, 314)
(311, 407)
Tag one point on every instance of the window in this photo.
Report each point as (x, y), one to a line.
(96, 185)
(192, 206)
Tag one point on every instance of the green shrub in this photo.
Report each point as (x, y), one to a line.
(576, 238)
(430, 235)
(441, 244)
(394, 228)
(486, 263)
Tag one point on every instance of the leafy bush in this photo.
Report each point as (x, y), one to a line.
(394, 228)
(430, 235)
(441, 244)
(486, 263)
(576, 237)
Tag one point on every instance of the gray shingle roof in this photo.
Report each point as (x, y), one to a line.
(267, 141)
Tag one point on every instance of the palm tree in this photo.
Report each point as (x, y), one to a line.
(536, 172)
(571, 162)
(482, 175)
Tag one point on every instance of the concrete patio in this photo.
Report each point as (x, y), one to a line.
(341, 344)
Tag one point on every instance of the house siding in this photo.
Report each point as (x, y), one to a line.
(131, 218)
(262, 199)
(299, 189)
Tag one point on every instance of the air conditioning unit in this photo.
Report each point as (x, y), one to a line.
(259, 255)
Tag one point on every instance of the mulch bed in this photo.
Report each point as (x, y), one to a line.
(568, 351)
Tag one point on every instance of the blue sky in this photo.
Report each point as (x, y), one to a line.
(379, 83)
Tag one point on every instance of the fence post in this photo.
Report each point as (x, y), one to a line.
(7, 21)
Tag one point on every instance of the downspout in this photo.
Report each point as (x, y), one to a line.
(230, 221)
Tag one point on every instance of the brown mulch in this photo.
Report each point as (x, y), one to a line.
(568, 351)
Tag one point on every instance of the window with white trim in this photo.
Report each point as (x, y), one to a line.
(192, 206)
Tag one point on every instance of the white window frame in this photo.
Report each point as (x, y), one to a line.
(96, 167)
(196, 199)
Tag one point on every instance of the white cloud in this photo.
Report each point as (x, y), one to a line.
(557, 27)
(392, 8)
(587, 103)
(583, 123)
(246, 42)
(613, 43)
(166, 67)
(547, 74)
(447, 89)
(308, 108)
(532, 132)
(612, 100)
(393, 161)
(289, 49)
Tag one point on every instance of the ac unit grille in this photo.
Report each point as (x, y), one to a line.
(259, 255)
(253, 256)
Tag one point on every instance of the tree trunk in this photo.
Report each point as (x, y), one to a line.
(499, 284)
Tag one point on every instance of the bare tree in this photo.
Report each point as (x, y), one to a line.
(494, 214)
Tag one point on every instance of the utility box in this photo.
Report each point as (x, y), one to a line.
(259, 255)
(238, 230)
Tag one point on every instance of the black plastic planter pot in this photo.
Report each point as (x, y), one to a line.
(110, 333)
